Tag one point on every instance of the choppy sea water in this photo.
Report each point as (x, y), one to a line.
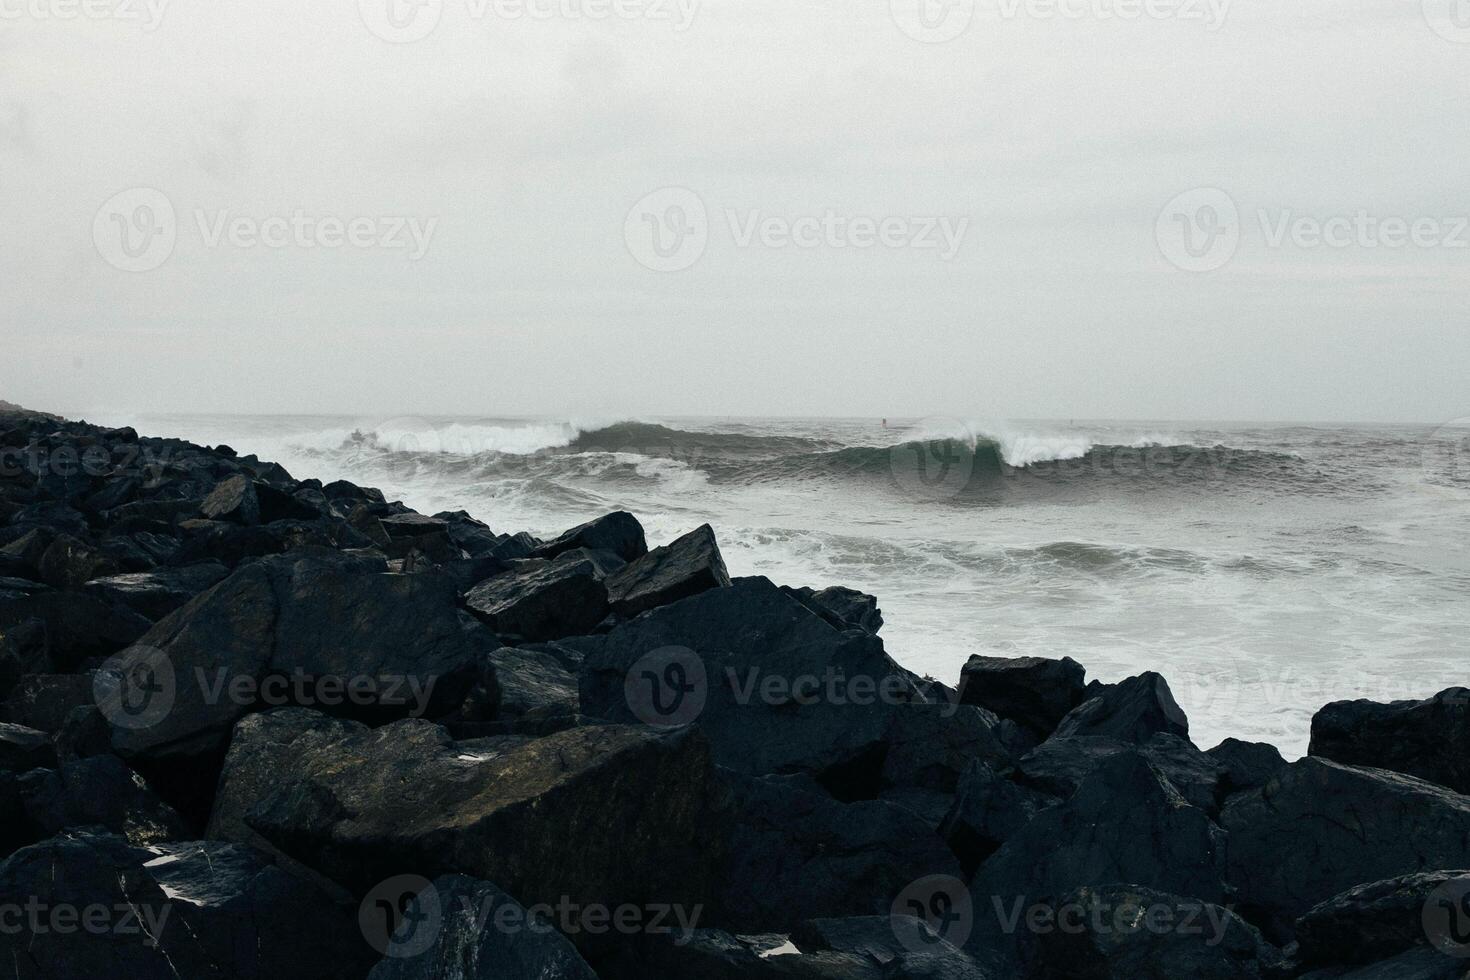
(1264, 570)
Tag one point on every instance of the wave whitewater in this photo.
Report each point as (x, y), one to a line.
(645, 452)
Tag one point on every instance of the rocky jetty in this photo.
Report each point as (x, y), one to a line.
(254, 726)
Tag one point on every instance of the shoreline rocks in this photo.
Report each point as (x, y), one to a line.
(298, 715)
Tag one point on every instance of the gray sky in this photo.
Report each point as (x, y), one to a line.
(829, 145)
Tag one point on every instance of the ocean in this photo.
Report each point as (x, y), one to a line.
(1264, 570)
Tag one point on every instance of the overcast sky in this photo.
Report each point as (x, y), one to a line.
(772, 207)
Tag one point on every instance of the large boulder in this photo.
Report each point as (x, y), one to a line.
(232, 500)
(262, 746)
(98, 792)
(309, 632)
(844, 608)
(1031, 691)
(795, 854)
(78, 627)
(1378, 920)
(516, 682)
(1124, 932)
(543, 599)
(43, 701)
(595, 815)
(774, 687)
(685, 567)
(1318, 828)
(479, 933)
(1060, 764)
(157, 593)
(24, 748)
(197, 909)
(619, 533)
(988, 810)
(1429, 739)
(1125, 823)
(1133, 710)
(69, 563)
(1247, 765)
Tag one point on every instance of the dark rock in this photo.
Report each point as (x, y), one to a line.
(593, 815)
(232, 500)
(1123, 932)
(1375, 921)
(157, 593)
(342, 490)
(23, 650)
(1429, 739)
(43, 701)
(212, 910)
(83, 734)
(619, 533)
(309, 632)
(102, 792)
(279, 505)
(25, 552)
(1420, 963)
(686, 567)
(515, 547)
(842, 607)
(1248, 765)
(931, 745)
(516, 682)
(774, 687)
(987, 811)
(473, 537)
(261, 747)
(482, 934)
(542, 599)
(24, 748)
(78, 626)
(795, 854)
(1133, 710)
(69, 563)
(1058, 766)
(413, 525)
(1125, 823)
(1318, 828)
(714, 954)
(1031, 691)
